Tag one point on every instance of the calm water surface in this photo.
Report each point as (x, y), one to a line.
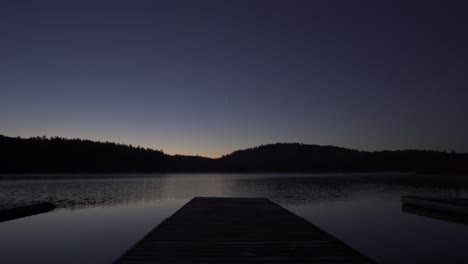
(101, 216)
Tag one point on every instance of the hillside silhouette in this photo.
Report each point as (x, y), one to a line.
(294, 157)
(60, 155)
(42, 154)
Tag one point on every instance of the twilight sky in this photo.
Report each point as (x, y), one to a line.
(209, 77)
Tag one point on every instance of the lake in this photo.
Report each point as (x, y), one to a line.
(100, 216)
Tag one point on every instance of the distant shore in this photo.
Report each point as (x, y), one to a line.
(60, 155)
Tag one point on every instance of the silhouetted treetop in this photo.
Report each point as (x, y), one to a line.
(56, 154)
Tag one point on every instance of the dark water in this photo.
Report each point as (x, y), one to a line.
(100, 216)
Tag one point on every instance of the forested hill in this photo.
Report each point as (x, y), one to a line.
(316, 158)
(41, 154)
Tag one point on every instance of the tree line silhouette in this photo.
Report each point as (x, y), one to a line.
(61, 155)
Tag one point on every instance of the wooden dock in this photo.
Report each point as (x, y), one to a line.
(451, 209)
(238, 230)
(435, 214)
(448, 204)
(16, 211)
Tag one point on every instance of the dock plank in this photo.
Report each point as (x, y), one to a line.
(238, 230)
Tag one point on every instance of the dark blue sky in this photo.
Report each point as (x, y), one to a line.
(209, 77)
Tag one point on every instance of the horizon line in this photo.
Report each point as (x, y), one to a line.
(240, 149)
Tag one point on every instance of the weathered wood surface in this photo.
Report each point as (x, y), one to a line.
(15, 211)
(447, 204)
(238, 230)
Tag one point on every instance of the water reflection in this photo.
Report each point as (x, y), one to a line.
(100, 217)
(77, 193)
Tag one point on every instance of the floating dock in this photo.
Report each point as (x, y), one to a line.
(448, 217)
(16, 211)
(447, 204)
(238, 230)
(452, 209)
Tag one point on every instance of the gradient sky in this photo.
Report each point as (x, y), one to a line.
(209, 77)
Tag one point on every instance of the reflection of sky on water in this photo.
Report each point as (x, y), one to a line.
(99, 218)
(93, 235)
(75, 193)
